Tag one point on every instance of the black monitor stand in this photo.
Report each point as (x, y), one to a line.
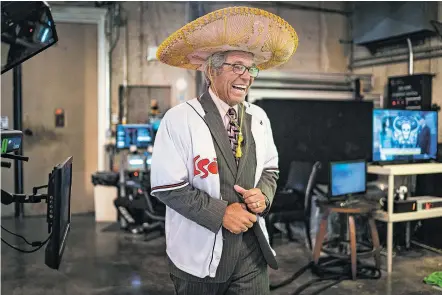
(347, 200)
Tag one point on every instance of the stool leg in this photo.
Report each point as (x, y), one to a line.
(352, 233)
(376, 244)
(320, 237)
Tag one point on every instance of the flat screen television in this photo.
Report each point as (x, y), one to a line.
(59, 212)
(139, 135)
(404, 136)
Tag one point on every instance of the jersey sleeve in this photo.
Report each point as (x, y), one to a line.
(169, 157)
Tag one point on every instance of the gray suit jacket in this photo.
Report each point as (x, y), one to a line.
(199, 207)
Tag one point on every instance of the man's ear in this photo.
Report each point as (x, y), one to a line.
(213, 73)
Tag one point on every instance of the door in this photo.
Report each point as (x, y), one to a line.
(64, 77)
(139, 101)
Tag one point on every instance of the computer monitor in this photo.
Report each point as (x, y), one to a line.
(347, 178)
(11, 140)
(59, 212)
(139, 135)
(136, 162)
(404, 136)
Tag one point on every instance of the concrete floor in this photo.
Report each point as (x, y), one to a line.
(112, 262)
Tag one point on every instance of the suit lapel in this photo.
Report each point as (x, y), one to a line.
(247, 131)
(219, 133)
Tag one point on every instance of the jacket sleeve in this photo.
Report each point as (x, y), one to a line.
(270, 173)
(170, 179)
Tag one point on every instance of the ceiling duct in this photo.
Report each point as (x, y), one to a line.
(331, 82)
(293, 85)
(377, 25)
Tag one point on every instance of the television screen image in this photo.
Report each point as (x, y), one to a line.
(139, 135)
(347, 178)
(404, 135)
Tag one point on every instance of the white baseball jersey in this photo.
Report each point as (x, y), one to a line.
(184, 154)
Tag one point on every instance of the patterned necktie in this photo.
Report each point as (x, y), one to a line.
(233, 131)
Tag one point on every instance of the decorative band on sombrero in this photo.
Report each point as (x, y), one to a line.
(271, 39)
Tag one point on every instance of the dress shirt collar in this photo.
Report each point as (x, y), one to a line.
(221, 105)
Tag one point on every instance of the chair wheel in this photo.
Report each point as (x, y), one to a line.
(136, 229)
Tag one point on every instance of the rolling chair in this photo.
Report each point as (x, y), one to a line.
(139, 212)
(293, 203)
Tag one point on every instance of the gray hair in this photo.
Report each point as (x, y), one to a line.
(215, 63)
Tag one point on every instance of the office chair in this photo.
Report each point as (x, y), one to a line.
(293, 202)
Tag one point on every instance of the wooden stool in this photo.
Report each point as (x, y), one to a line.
(361, 209)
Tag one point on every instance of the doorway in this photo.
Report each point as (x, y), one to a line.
(135, 102)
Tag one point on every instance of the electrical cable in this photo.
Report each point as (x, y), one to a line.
(292, 278)
(328, 268)
(314, 281)
(325, 287)
(17, 235)
(39, 245)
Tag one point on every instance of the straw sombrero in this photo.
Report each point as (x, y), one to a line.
(270, 38)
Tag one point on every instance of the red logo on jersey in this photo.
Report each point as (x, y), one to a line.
(204, 167)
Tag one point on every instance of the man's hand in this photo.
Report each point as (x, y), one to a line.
(254, 199)
(237, 219)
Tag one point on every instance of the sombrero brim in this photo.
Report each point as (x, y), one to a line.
(270, 38)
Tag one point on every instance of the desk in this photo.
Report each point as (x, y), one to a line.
(395, 170)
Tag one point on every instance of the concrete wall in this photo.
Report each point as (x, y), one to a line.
(382, 72)
(149, 23)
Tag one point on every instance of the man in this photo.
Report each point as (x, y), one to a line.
(214, 163)
(424, 137)
(154, 108)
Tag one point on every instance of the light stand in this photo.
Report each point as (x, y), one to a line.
(18, 125)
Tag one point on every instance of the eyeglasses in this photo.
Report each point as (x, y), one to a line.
(241, 69)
